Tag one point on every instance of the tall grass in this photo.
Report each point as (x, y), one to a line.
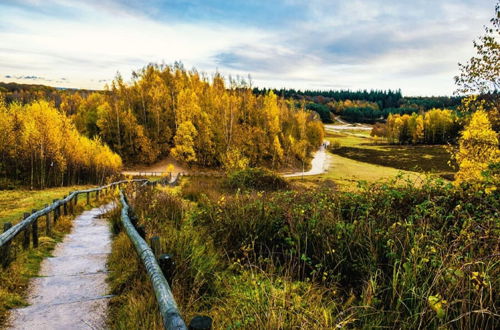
(397, 256)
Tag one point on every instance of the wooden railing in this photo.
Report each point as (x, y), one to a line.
(67, 204)
(159, 267)
(156, 269)
(166, 302)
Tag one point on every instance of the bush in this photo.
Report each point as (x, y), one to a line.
(334, 145)
(256, 179)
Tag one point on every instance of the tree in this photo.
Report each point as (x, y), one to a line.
(184, 142)
(478, 147)
(481, 74)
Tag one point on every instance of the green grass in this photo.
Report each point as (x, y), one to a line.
(347, 172)
(363, 158)
(13, 203)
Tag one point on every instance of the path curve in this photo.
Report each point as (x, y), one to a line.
(319, 163)
(71, 290)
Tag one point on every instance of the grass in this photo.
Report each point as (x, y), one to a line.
(386, 255)
(347, 172)
(13, 203)
(360, 157)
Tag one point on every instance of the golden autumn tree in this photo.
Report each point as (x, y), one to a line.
(45, 149)
(478, 147)
(184, 142)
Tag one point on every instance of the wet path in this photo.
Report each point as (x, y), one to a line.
(71, 290)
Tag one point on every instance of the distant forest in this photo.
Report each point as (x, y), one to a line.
(368, 106)
(363, 105)
(167, 110)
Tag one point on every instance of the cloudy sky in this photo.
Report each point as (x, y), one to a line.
(414, 45)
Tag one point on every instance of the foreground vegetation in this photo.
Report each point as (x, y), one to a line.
(402, 256)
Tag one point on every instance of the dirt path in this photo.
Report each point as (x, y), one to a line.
(319, 164)
(71, 290)
(158, 167)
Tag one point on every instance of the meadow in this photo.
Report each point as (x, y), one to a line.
(284, 256)
(14, 203)
(358, 145)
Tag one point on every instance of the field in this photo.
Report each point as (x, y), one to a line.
(13, 203)
(358, 145)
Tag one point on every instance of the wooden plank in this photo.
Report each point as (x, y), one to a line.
(34, 231)
(5, 249)
(26, 237)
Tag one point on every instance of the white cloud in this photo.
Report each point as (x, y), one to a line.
(412, 45)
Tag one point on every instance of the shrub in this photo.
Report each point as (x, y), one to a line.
(257, 179)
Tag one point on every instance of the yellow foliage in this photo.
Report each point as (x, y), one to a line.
(478, 147)
(44, 148)
(234, 160)
(184, 142)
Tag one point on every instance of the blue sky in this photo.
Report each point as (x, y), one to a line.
(316, 44)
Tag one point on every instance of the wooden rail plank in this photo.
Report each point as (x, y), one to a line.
(12, 232)
(166, 302)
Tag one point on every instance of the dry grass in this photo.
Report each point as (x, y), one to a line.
(13, 203)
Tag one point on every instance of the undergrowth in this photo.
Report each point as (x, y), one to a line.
(396, 256)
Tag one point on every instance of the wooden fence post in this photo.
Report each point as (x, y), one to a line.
(65, 207)
(48, 229)
(56, 215)
(26, 234)
(34, 230)
(200, 323)
(155, 246)
(167, 266)
(88, 198)
(5, 249)
(97, 195)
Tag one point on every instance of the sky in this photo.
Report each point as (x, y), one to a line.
(412, 45)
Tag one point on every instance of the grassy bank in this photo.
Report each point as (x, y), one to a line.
(13, 203)
(400, 256)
